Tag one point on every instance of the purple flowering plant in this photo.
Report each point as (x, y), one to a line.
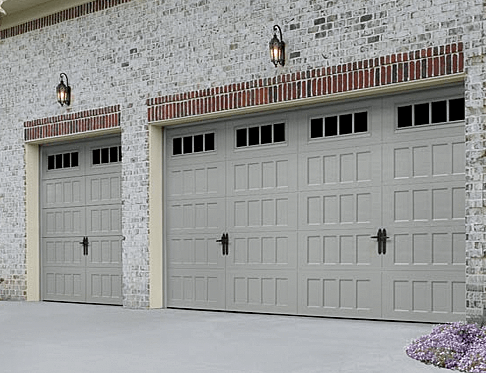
(457, 346)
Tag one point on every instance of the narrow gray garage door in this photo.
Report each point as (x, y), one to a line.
(288, 213)
(81, 222)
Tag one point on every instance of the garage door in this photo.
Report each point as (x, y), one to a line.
(349, 210)
(81, 222)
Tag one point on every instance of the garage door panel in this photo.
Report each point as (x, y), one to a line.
(196, 289)
(431, 248)
(103, 189)
(349, 168)
(61, 222)
(431, 203)
(103, 220)
(427, 160)
(105, 252)
(59, 192)
(65, 251)
(262, 291)
(64, 284)
(196, 181)
(343, 249)
(331, 209)
(104, 285)
(205, 215)
(263, 250)
(267, 212)
(330, 292)
(424, 296)
(261, 176)
(195, 252)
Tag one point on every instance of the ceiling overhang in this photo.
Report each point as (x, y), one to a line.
(21, 11)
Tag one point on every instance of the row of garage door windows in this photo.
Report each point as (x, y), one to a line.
(435, 112)
(71, 159)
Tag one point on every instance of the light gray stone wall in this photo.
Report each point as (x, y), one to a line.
(475, 69)
(148, 48)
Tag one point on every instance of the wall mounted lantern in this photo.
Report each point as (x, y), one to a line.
(63, 92)
(277, 48)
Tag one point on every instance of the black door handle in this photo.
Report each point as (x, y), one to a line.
(378, 239)
(85, 244)
(221, 240)
(226, 238)
(381, 238)
(224, 243)
(384, 237)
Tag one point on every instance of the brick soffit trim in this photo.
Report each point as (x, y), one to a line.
(61, 16)
(383, 71)
(73, 123)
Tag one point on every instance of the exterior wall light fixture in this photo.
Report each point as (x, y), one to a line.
(277, 48)
(63, 91)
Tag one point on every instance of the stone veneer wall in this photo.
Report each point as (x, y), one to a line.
(130, 54)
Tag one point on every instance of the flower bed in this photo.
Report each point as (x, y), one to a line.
(456, 346)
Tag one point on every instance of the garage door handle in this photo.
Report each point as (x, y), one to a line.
(378, 238)
(85, 244)
(381, 238)
(384, 237)
(224, 243)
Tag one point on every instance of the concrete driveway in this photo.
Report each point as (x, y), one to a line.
(71, 338)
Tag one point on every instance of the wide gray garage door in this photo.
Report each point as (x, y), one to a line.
(352, 210)
(81, 222)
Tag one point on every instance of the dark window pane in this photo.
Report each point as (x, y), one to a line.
(187, 144)
(439, 112)
(316, 128)
(105, 155)
(58, 160)
(422, 114)
(119, 154)
(345, 124)
(361, 122)
(74, 159)
(209, 141)
(330, 128)
(50, 162)
(114, 154)
(67, 160)
(267, 134)
(177, 146)
(254, 136)
(279, 132)
(97, 156)
(241, 138)
(456, 109)
(405, 116)
(198, 143)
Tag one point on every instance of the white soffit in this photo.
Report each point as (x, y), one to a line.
(21, 11)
